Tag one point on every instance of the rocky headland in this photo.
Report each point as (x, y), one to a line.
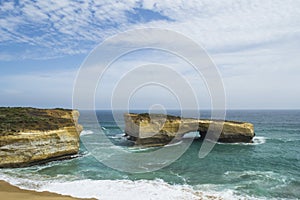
(30, 136)
(159, 129)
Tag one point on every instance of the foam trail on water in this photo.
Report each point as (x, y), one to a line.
(86, 132)
(122, 189)
(257, 140)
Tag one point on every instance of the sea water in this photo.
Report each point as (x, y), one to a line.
(268, 168)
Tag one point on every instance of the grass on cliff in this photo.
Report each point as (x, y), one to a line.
(18, 119)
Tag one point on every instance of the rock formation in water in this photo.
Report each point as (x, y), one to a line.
(158, 129)
(29, 136)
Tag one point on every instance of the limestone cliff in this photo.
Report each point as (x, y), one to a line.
(29, 135)
(158, 130)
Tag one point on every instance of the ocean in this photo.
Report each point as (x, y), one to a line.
(268, 168)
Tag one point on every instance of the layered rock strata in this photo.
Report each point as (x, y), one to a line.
(159, 130)
(29, 136)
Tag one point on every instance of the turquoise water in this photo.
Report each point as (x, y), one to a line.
(266, 169)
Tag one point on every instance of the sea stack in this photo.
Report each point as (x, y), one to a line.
(159, 129)
(30, 136)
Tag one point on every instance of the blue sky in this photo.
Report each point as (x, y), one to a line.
(255, 45)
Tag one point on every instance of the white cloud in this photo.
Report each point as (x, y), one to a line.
(65, 26)
(254, 43)
(7, 6)
(224, 24)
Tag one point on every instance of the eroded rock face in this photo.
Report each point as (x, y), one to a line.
(29, 136)
(158, 130)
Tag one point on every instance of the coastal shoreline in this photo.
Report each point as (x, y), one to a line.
(10, 192)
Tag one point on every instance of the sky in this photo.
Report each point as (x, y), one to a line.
(254, 44)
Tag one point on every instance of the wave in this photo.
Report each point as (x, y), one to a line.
(86, 132)
(123, 189)
(173, 144)
(257, 140)
(141, 149)
(268, 181)
(117, 136)
(287, 139)
(260, 175)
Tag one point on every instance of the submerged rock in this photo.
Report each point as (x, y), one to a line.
(159, 129)
(29, 136)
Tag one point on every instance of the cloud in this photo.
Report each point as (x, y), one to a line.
(253, 43)
(64, 27)
(75, 27)
(226, 25)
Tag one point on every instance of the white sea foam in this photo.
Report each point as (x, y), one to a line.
(141, 149)
(263, 178)
(117, 136)
(257, 140)
(122, 189)
(191, 135)
(86, 132)
(109, 189)
(173, 144)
